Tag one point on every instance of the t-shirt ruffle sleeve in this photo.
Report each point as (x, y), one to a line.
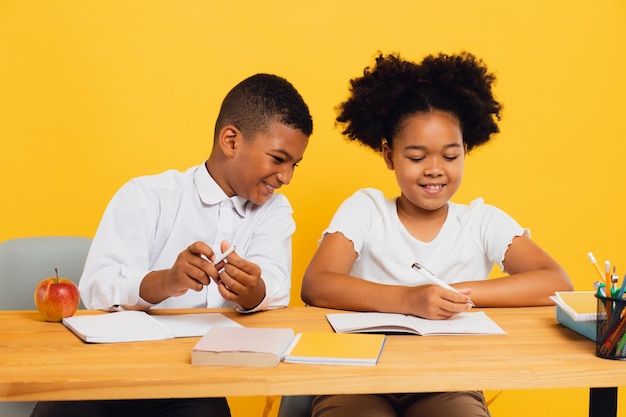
(354, 217)
(496, 229)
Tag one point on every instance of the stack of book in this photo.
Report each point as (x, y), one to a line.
(578, 311)
(266, 347)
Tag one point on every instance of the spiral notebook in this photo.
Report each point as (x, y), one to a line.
(335, 349)
(577, 310)
(579, 305)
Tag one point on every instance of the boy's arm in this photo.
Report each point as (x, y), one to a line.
(113, 271)
(268, 248)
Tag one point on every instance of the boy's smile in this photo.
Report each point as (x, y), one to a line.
(265, 162)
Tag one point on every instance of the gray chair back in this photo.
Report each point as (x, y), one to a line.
(23, 263)
(26, 261)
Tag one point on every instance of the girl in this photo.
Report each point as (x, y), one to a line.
(424, 118)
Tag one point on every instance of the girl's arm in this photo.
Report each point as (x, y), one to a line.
(533, 277)
(327, 283)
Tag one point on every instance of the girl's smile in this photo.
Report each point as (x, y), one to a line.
(427, 156)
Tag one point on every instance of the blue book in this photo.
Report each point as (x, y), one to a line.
(585, 328)
(577, 310)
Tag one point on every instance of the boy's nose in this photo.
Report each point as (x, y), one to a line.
(284, 176)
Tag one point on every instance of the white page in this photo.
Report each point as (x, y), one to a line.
(463, 323)
(370, 322)
(121, 326)
(189, 325)
(137, 326)
(460, 324)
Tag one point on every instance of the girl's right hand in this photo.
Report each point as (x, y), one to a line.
(437, 303)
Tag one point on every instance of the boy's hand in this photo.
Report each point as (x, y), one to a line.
(192, 270)
(239, 281)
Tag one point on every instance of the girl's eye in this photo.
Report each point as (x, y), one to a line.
(415, 158)
(278, 159)
(450, 158)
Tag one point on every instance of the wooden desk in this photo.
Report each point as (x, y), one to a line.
(45, 361)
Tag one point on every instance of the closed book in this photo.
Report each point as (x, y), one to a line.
(585, 328)
(371, 322)
(578, 311)
(336, 349)
(242, 346)
(579, 305)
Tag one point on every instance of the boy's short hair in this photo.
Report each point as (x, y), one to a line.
(261, 99)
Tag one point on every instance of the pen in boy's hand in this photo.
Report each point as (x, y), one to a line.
(220, 258)
(432, 278)
(224, 255)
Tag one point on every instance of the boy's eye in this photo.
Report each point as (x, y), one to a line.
(278, 159)
(450, 158)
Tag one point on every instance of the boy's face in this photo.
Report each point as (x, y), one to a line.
(266, 161)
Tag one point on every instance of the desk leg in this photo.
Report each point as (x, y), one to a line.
(602, 402)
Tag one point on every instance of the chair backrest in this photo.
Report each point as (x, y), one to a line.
(26, 261)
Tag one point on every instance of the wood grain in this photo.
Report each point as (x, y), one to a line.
(45, 361)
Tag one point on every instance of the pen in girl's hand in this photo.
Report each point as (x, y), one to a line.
(432, 278)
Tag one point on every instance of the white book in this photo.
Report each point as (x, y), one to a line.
(477, 323)
(245, 346)
(137, 326)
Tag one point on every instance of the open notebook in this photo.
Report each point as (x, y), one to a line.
(477, 323)
(136, 326)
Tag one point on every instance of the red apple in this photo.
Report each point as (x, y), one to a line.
(56, 298)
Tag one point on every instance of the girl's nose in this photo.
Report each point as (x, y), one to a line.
(433, 168)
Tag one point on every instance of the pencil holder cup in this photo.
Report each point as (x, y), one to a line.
(611, 328)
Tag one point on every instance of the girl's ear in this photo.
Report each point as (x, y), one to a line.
(228, 140)
(388, 155)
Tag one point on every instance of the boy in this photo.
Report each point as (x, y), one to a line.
(159, 234)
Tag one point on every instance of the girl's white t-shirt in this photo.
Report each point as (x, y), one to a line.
(472, 240)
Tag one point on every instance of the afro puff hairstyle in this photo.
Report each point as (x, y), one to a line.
(394, 89)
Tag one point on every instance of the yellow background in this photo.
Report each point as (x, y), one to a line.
(93, 93)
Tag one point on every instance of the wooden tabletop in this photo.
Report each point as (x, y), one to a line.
(45, 361)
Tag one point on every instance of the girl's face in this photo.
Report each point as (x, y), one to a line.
(428, 157)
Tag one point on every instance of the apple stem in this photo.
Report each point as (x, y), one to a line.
(56, 272)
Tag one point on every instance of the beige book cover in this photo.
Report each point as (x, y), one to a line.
(242, 346)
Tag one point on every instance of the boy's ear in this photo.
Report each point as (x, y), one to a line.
(228, 139)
